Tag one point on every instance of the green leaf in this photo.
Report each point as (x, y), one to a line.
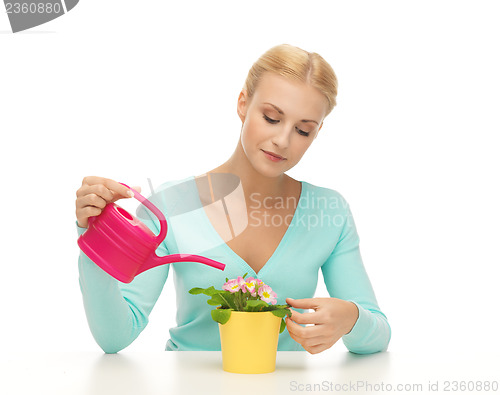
(255, 305)
(228, 298)
(282, 326)
(221, 315)
(207, 291)
(196, 291)
(279, 313)
(211, 291)
(217, 299)
(245, 274)
(285, 308)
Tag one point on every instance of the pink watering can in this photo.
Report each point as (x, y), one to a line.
(124, 247)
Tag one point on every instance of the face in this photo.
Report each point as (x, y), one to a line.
(282, 117)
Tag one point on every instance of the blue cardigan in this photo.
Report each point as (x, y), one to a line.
(321, 235)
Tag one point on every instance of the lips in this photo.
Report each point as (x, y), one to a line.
(273, 154)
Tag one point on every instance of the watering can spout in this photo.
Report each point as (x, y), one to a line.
(156, 260)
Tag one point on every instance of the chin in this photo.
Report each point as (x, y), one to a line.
(268, 171)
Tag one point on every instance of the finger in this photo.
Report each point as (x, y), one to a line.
(136, 189)
(316, 349)
(302, 332)
(316, 341)
(120, 194)
(97, 189)
(291, 331)
(305, 318)
(307, 303)
(119, 191)
(92, 199)
(313, 344)
(89, 211)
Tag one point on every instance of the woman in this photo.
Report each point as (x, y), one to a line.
(287, 95)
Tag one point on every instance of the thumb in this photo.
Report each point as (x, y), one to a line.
(136, 188)
(308, 303)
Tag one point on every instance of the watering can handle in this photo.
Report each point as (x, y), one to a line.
(154, 209)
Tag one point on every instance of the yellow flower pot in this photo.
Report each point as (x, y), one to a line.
(249, 342)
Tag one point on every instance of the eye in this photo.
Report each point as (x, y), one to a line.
(270, 120)
(302, 133)
(273, 121)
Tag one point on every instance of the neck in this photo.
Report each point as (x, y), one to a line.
(255, 184)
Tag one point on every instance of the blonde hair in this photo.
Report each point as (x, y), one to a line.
(297, 64)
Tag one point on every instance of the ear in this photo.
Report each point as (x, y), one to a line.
(242, 104)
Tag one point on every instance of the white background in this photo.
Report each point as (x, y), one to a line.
(134, 90)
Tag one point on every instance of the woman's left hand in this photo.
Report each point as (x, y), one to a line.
(332, 319)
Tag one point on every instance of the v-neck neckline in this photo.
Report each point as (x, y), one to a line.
(233, 253)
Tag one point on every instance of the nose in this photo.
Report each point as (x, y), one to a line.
(282, 136)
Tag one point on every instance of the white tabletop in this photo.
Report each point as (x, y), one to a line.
(187, 372)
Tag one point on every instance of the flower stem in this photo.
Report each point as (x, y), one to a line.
(236, 302)
(242, 303)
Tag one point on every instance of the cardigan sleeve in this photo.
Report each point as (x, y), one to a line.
(118, 312)
(346, 278)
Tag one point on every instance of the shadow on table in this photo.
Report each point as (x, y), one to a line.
(117, 374)
(359, 367)
(291, 371)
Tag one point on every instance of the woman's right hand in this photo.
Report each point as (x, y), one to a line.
(95, 193)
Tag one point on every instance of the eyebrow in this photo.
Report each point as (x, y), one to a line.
(282, 113)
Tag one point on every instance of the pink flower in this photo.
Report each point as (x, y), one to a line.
(250, 285)
(232, 286)
(241, 282)
(267, 294)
